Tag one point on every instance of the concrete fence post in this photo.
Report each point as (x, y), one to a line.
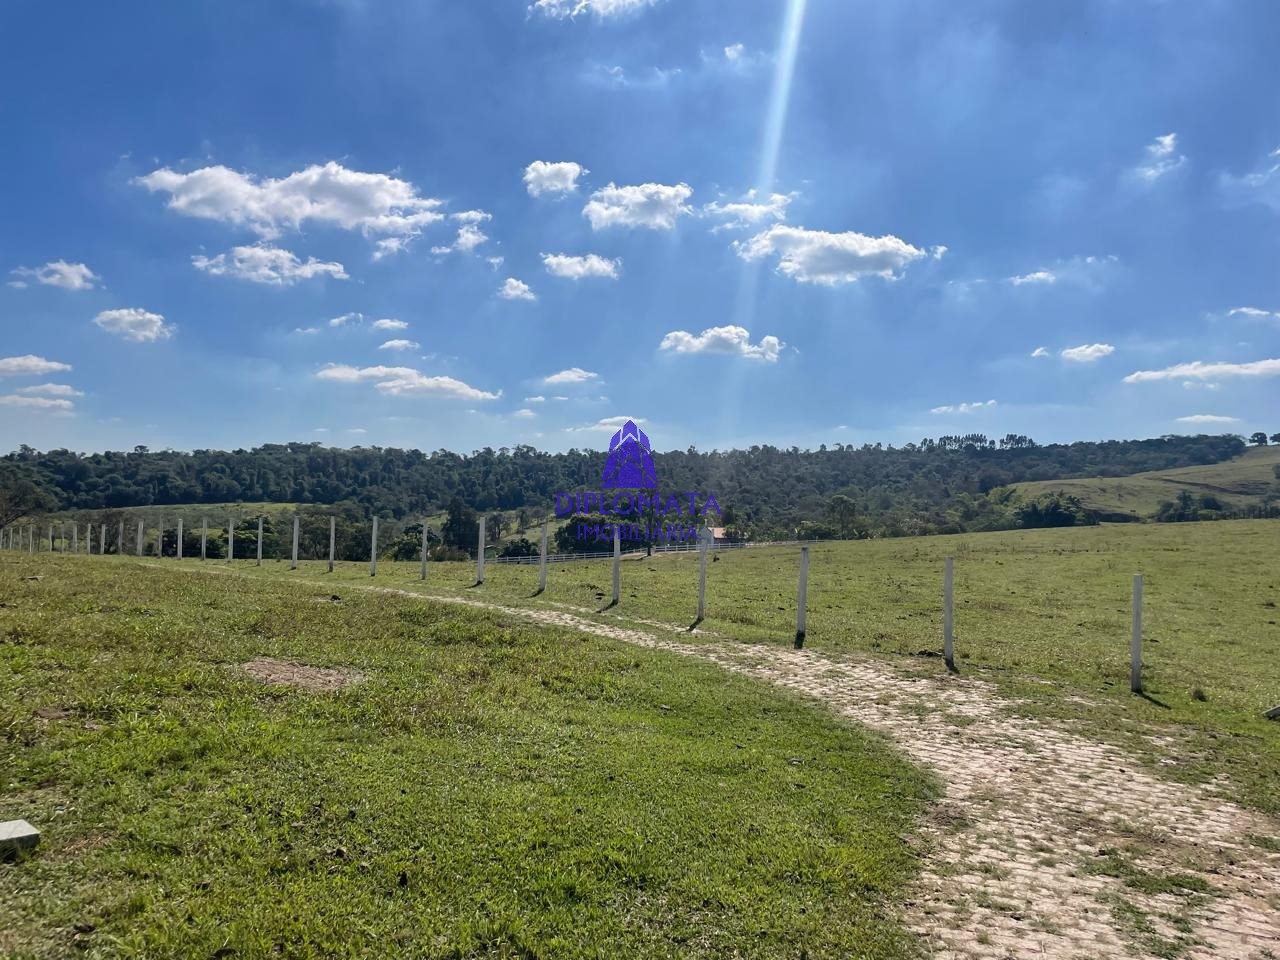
(102, 540)
(137, 551)
(542, 560)
(51, 538)
(88, 539)
(231, 540)
(204, 538)
(120, 540)
(802, 596)
(703, 549)
(179, 538)
(423, 574)
(948, 613)
(1135, 643)
(373, 550)
(480, 555)
(160, 537)
(333, 528)
(617, 563)
(259, 563)
(75, 537)
(31, 540)
(293, 564)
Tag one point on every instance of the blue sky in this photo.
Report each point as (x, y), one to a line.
(488, 223)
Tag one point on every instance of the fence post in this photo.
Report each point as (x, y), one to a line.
(231, 540)
(75, 537)
(102, 545)
(480, 556)
(51, 538)
(703, 549)
(1135, 644)
(333, 525)
(120, 540)
(259, 563)
(204, 537)
(160, 537)
(423, 575)
(802, 596)
(138, 551)
(617, 563)
(373, 550)
(179, 538)
(948, 613)
(542, 560)
(294, 563)
(88, 540)
(31, 539)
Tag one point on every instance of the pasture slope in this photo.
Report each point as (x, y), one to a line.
(1075, 819)
(1240, 482)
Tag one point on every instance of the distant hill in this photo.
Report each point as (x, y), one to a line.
(1237, 483)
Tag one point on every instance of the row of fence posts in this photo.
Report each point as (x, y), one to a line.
(11, 538)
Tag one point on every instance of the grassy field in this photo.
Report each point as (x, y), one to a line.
(483, 789)
(1044, 614)
(1237, 483)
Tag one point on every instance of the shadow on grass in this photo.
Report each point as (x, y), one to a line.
(1150, 699)
(694, 626)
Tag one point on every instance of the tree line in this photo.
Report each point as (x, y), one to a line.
(948, 484)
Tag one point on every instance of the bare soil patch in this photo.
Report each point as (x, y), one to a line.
(282, 673)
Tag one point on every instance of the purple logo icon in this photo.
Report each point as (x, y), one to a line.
(629, 465)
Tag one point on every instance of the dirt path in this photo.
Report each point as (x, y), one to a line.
(1047, 844)
(1034, 822)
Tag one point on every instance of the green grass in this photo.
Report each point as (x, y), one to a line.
(1239, 482)
(489, 789)
(1043, 614)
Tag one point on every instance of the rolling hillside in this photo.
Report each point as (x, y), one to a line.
(1239, 482)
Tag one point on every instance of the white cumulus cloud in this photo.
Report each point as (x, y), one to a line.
(135, 324)
(263, 263)
(1207, 418)
(400, 345)
(404, 382)
(731, 340)
(388, 323)
(654, 206)
(575, 268)
(607, 425)
(750, 211)
(1039, 276)
(1087, 352)
(59, 273)
(562, 9)
(1162, 158)
(816, 256)
(572, 375)
(30, 365)
(1040, 352)
(542, 178)
(328, 194)
(36, 403)
(964, 407)
(52, 390)
(513, 289)
(1199, 370)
